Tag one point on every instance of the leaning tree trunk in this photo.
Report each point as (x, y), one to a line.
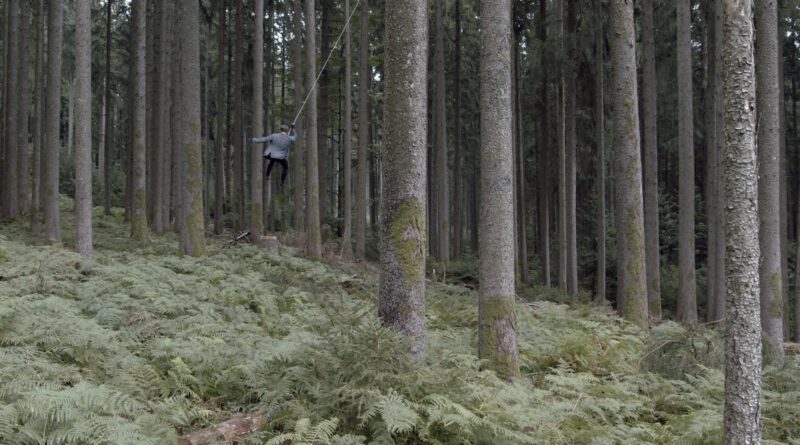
(497, 337)
(743, 342)
(83, 127)
(767, 107)
(138, 204)
(347, 245)
(401, 302)
(687, 300)
(363, 133)
(256, 210)
(313, 237)
(38, 126)
(599, 122)
(440, 141)
(50, 158)
(650, 140)
(631, 278)
(193, 232)
(298, 178)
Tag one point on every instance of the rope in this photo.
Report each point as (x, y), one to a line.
(338, 39)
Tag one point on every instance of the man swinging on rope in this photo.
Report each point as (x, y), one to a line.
(278, 149)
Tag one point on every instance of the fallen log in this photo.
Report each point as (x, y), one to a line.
(792, 348)
(226, 432)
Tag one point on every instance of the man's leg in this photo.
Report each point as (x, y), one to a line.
(269, 164)
(285, 172)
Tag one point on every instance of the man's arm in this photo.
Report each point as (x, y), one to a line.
(259, 140)
(292, 135)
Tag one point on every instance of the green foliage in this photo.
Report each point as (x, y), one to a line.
(142, 345)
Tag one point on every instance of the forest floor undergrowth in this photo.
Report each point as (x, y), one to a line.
(142, 345)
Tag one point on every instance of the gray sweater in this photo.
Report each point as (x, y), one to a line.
(278, 144)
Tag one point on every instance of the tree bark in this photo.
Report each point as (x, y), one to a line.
(256, 199)
(521, 214)
(497, 338)
(323, 119)
(650, 140)
(363, 133)
(440, 143)
(767, 106)
(138, 169)
(458, 176)
(347, 245)
(83, 128)
(9, 195)
(165, 105)
(711, 138)
(631, 277)
(544, 166)
(38, 126)
(687, 300)
(719, 201)
(238, 122)
(313, 237)
(109, 123)
(23, 107)
(599, 122)
(743, 342)
(298, 168)
(219, 133)
(192, 230)
(50, 159)
(563, 260)
(570, 87)
(401, 302)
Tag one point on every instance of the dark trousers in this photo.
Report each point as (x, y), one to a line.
(272, 161)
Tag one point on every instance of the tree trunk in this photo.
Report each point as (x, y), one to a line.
(152, 43)
(650, 140)
(458, 176)
(138, 169)
(563, 260)
(497, 337)
(780, 32)
(521, 215)
(743, 342)
(38, 126)
(631, 278)
(10, 199)
(83, 128)
(164, 127)
(440, 143)
(363, 133)
(767, 107)
(323, 122)
(347, 245)
(687, 300)
(109, 105)
(313, 237)
(298, 178)
(23, 154)
(50, 159)
(401, 302)
(544, 166)
(219, 132)
(719, 201)
(599, 122)
(192, 230)
(711, 138)
(570, 87)
(256, 181)
(238, 121)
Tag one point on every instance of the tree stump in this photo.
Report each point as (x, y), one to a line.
(226, 432)
(269, 243)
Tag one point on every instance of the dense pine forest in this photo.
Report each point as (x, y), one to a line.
(399, 222)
